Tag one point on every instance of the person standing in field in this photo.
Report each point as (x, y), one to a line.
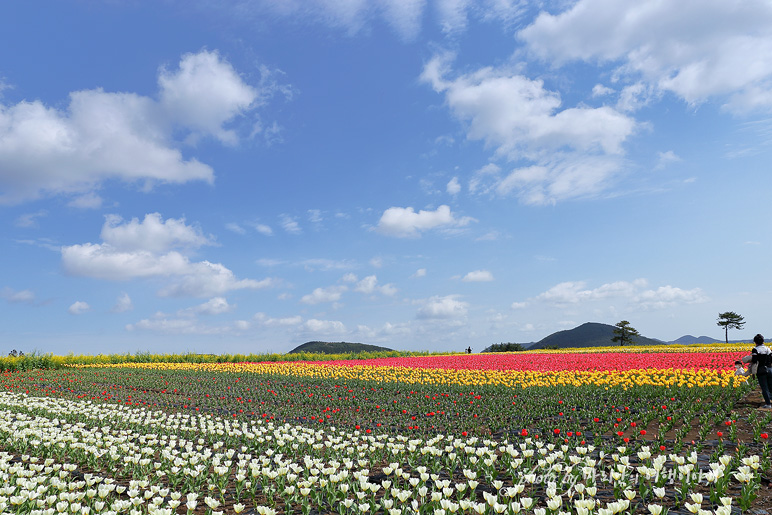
(761, 366)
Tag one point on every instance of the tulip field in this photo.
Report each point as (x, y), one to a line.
(588, 432)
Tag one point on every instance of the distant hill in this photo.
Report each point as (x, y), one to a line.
(688, 339)
(590, 334)
(337, 348)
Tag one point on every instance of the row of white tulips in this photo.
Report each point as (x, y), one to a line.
(282, 466)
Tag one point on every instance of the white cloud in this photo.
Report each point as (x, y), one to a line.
(404, 222)
(599, 90)
(349, 278)
(446, 307)
(264, 319)
(453, 15)
(163, 323)
(319, 295)
(315, 216)
(421, 272)
(695, 49)
(482, 176)
(214, 306)
(78, 308)
(290, 225)
(634, 97)
(153, 234)
(560, 178)
(478, 276)
(575, 292)
(634, 293)
(324, 326)
(453, 186)
(102, 261)
(667, 296)
(141, 250)
(17, 297)
(325, 264)
(102, 136)
(263, 229)
(405, 17)
(234, 227)
(89, 200)
(519, 305)
(204, 93)
(369, 285)
(519, 117)
(666, 158)
(575, 150)
(123, 303)
(29, 220)
(205, 279)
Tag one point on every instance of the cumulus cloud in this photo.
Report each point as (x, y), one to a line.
(78, 308)
(214, 306)
(204, 93)
(421, 272)
(453, 186)
(478, 276)
(447, 307)
(204, 279)
(153, 234)
(634, 293)
(264, 319)
(369, 285)
(694, 49)
(599, 90)
(319, 295)
(324, 326)
(143, 250)
(123, 303)
(667, 296)
(404, 222)
(573, 150)
(100, 136)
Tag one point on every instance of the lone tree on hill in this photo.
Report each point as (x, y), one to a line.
(730, 320)
(623, 333)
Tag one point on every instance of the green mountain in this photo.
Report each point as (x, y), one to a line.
(337, 348)
(590, 334)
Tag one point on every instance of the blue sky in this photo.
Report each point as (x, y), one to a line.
(246, 176)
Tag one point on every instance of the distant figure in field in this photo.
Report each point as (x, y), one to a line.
(469, 350)
(761, 366)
